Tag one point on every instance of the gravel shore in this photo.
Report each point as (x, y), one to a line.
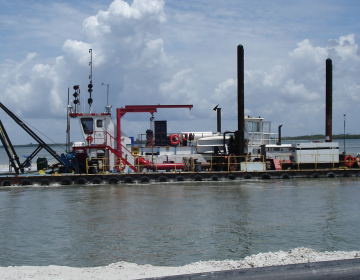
(124, 270)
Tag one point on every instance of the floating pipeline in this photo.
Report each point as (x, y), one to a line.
(152, 177)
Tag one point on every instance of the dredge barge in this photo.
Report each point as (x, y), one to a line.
(107, 155)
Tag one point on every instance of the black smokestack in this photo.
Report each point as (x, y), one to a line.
(328, 101)
(240, 77)
(218, 111)
(279, 132)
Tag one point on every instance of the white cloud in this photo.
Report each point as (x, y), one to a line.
(306, 51)
(275, 76)
(298, 93)
(294, 93)
(154, 52)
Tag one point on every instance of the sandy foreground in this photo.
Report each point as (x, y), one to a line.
(124, 270)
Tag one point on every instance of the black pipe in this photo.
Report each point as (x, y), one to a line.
(279, 132)
(9, 148)
(239, 135)
(328, 101)
(263, 152)
(218, 111)
(224, 140)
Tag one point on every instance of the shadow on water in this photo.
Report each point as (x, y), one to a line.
(175, 224)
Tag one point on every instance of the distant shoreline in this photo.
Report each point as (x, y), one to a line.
(36, 145)
(321, 137)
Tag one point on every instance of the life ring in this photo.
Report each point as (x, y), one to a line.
(349, 160)
(174, 139)
(117, 166)
(89, 139)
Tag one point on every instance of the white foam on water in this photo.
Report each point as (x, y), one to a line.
(125, 270)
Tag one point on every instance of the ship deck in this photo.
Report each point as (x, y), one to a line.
(158, 177)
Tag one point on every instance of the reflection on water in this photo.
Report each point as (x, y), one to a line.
(175, 224)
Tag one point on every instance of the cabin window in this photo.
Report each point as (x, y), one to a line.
(253, 126)
(87, 125)
(99, 123)
(256, 151)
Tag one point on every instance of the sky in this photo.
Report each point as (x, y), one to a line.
(179, 52)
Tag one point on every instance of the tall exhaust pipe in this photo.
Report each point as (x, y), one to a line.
(328, 101)
(218, 111)
(239, 136)
(279, 132)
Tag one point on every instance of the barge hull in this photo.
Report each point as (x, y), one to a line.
(128, 178)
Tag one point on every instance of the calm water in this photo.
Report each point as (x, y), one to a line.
(175, 224)
(21, 151)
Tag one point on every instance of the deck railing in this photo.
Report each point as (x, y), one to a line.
(229, 163)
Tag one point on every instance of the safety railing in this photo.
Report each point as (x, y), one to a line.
(169, 139)
(228, 163)
(260, 138)
(189, 139)
(97, 166)
(100, 137)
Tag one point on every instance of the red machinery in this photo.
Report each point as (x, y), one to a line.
(120, 112)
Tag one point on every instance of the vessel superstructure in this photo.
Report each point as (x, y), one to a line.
(106, 151)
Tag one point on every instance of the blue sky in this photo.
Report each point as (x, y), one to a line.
(180, 52)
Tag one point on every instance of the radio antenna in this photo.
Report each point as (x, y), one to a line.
(90, 85)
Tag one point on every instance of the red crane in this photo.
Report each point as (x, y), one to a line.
(120, 112)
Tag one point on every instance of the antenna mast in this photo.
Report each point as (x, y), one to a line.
(90, 85)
